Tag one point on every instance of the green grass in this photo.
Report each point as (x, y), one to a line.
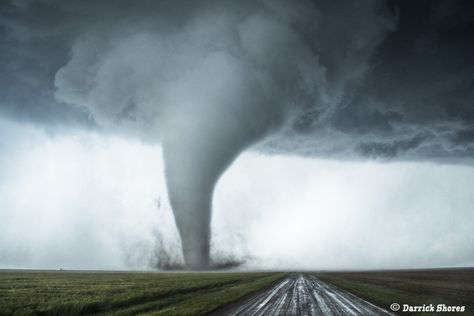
(413, 287)
(124, 293)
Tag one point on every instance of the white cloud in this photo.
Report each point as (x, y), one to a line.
(306, 213)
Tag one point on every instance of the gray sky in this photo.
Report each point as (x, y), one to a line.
(340, 134)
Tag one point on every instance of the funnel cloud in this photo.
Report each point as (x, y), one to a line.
(386, 80)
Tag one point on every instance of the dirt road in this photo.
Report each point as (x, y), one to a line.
(304, 294)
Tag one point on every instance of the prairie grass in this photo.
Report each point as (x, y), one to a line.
(124, 293)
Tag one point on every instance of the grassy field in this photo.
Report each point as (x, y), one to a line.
(414, 287)
(124, 293)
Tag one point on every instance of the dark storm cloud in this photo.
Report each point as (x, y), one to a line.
(33, 47)
(389, 149)
(36, 38)
(416, 100)
(417, 78)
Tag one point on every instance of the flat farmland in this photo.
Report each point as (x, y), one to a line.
(124, 293)
(24, 292)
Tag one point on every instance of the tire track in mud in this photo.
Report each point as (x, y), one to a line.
(305, 294)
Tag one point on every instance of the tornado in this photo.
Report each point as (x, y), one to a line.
(214, 122)
(193, 163)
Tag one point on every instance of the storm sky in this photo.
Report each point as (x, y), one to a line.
(344, 131)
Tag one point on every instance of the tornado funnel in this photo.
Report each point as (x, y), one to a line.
(195, 158)
(218, 111)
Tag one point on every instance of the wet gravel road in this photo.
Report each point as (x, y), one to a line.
(304, 294)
